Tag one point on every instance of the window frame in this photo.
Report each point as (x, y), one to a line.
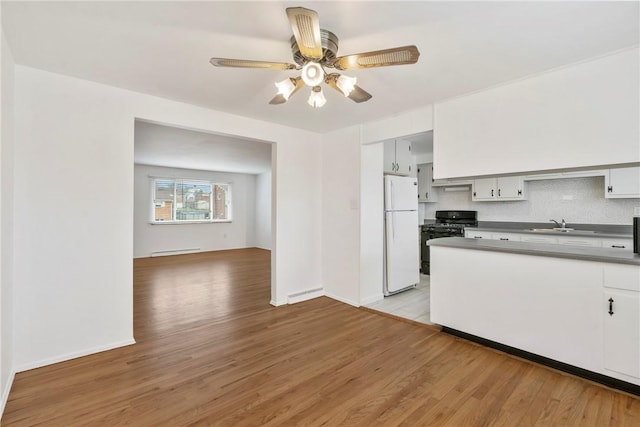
(174, 208)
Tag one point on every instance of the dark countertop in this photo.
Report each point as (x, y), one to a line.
(615, 256)
(582, 230)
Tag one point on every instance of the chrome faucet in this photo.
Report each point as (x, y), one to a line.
(563, 225)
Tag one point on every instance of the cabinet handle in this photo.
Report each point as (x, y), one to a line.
(474, 194)
(519, 192)
(503, 238)
(618, 246)
(426, 194)
(477, 237)
(610, 306)
(610, 189)
(409, 168)
(491, 193)
(499, 192)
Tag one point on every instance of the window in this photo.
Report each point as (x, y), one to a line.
(183, 201)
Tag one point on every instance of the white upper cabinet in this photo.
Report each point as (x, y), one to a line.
(397, 157)
(426, 192)
(505, 188)
(622, 183)
(584, 115)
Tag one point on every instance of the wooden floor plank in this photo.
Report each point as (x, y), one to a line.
(211, 350)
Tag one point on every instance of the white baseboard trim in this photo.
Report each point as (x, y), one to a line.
(371, 299)
(277, 303)
(74, 355)
(305, 295)
(175, 252)
(341, 299)
(5, 392)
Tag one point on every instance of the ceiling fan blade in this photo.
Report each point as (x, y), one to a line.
(246, 63)
(280, 99)
(306, 30)
(378, 58)
(357, 94)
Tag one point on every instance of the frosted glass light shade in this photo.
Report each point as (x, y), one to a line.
(286, 88)
(312, 74)
(316, 99)
(346, 84)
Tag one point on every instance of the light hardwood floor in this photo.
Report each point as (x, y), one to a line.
(212, 351)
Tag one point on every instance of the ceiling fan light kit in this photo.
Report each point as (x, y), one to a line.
(315, 49)
(286, 87)
(312, 74)
(316, 98)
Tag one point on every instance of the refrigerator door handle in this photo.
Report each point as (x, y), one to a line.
(393, 229)
(392, 198)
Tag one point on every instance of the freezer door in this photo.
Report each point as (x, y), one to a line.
(402, 250)
(400, 193)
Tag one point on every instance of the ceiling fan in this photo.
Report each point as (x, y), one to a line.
(314, 50)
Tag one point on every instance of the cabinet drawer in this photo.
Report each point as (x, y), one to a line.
(477, 234)
(539, 239)
(579, 241)
(624, 244)
(506, 236)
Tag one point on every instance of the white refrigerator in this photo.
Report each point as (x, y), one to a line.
(402, 242)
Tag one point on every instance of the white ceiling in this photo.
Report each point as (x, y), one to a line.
(163, 48)
(179, 148)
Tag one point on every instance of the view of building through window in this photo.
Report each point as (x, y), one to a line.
(177, 200)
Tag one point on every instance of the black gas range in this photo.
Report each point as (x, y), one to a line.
(448, 224)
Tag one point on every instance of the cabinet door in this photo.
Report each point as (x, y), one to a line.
(622, 332)
(389, 156)
(431, 195)
(484, 189)
(403, 157)
(511, 187)
(623, 183)
(424, 186)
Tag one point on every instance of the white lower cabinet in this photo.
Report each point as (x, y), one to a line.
(622, 332)
(556, 308)
(621, 311)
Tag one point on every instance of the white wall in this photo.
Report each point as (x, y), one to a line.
(263, 210)
(341, 215)
(74, 180)
(546, 199)
(148, 238)
(585, 115)
(371, 223)
(6, 223)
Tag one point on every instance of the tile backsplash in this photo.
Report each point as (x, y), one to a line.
(577, 200)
